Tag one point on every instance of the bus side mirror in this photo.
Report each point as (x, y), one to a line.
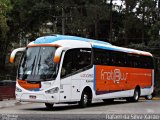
(58, 54)
(13, 54)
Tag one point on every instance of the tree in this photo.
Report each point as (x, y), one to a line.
(129, 14)
(146, 12)
(4, 8)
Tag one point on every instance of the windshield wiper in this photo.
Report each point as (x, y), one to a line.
(39, 63)
(24, 76)
(33, 64)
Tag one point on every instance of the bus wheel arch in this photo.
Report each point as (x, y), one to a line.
(49, 105)
(149, 97)
(136, 95)
(86, 97)
(139, 89)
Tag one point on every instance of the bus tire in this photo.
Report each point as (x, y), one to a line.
(149, 97)
(49, 105)
(86, 99)
(135, 97)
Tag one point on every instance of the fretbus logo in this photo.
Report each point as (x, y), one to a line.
(116, 75)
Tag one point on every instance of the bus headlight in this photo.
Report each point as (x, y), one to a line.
(53, 90)
(18, 89)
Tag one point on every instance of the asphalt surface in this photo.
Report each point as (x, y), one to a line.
(98, 110)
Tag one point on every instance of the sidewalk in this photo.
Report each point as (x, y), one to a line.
(154, 98)
(13, 102)
(9, 103)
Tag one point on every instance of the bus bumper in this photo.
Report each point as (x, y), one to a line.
(37, 97)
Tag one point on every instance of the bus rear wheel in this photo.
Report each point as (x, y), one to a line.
(149, 97)
(49, 105)
(135, 97)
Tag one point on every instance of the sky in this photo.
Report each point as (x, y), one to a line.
(115, 2)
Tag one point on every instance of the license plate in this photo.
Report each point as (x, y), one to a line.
(32, 97)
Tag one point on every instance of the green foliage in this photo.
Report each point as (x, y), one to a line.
(140, 46)
(154, 32)
(135, 24)
(4, 8)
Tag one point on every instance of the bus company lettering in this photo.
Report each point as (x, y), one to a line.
(86, 75)
(116, 75)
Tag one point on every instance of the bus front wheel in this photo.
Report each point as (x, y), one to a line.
(85, 100)
(49, 105)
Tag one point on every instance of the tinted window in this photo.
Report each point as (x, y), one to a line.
(75, 60)
(116, 58)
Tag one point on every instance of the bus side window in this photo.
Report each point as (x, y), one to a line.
(67, 64)
(82, 58)
(74, 60)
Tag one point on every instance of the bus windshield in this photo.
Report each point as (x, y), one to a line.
(37, 64)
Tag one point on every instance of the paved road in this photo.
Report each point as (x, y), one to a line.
(98, 110)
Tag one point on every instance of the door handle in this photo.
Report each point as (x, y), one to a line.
(78, 90)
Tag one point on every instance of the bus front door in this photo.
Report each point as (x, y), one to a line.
(75, 88)
(65, 89)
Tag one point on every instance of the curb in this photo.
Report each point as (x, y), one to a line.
(9, 103)
(5, 99)
(154, 98)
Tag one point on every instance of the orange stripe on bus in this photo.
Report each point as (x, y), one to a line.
(26, 85)
(38, 45)
(56, 59)
(11, 59)
(111, 78)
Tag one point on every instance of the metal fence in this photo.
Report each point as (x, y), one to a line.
(7, 89)
(7, 77)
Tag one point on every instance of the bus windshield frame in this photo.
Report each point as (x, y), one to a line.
(37, 64)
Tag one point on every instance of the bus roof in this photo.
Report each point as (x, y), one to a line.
(53, 38)
(64, 39)
(122, 49)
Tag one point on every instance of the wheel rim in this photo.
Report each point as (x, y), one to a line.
(85, 99)
(136, 95)
(149, 97)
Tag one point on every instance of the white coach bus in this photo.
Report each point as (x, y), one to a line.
(67, 69)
